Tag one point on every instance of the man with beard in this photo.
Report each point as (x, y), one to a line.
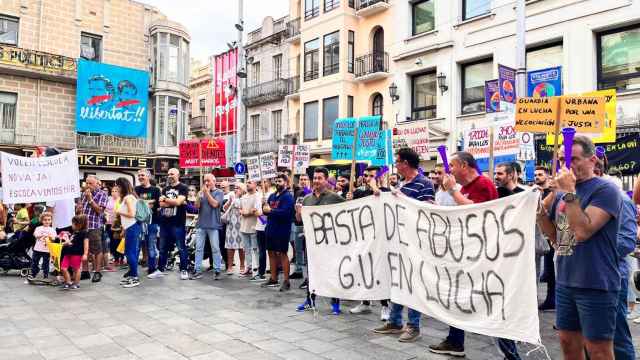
(506, 179)
(151, 196)
(303, 190)
(541, 179)
(172, 226)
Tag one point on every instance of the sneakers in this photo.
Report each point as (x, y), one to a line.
(304, 306)
(216, 276)
(97, 276)
(74, 287)
(361, 309)
(410, 334)
(126, 275)
(388, 328)
(195, 276)
(66, 286)
(245, 274)
(447, 348)
(270, 283)
(304, 285)
(124, 281)
(156, 274)
(335, 309)
(296, 275)
(184, 275)
(257, 278)
(285, 286)
(85, 275)
(385, 313)
(132, 282)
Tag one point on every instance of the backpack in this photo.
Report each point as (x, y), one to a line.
(143, 213)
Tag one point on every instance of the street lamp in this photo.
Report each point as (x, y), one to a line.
(442, 82)
(393, 92)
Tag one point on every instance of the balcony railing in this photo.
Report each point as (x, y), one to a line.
(110, 143)
(293, 28)
(199, 123)
(266, 92)
(372, 63)
(293, 85)
(251, 148)
(311, 13)
(363, 4)
(311, 74)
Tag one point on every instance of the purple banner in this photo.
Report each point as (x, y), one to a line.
(491, 96)
(507, 84)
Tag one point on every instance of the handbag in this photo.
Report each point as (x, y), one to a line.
(542, 244)
(225, 216)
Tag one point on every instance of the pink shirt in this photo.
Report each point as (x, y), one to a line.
(41, 234)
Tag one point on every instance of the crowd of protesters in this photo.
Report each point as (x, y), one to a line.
(589, 226)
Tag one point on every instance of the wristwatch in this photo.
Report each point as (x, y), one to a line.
(569, 197)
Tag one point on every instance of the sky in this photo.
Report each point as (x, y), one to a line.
(211, 22)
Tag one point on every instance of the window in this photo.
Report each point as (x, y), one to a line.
(255, 127)
(255, 73)
(352, 4)
(311, 9)
(202, 104)
(8, 103)
(423, 100)
(619, 59)
(171, 58)
(473, 8)
(276, 117)
(422, 16)
(350, 51)
(377, 105)
(8, 30)
(331, 53)
(172, 123)
(277, 67)
(544, 57)
(329, 116)
(311, 59)
(331, 4)
(310, 121)
(174, 58)
(172, 116)
(473, 77)
(349, 106)
(91, 47)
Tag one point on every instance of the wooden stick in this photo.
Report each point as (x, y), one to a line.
(556, 133)
(353, 159)
(491, 156)
(201, 166)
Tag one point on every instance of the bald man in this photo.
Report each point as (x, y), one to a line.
(209, 202)
(173, 215)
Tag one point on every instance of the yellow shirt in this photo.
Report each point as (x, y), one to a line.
(21, 216)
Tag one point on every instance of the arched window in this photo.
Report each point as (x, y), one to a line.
(376, 105)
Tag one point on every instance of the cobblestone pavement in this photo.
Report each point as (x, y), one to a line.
(206, 319)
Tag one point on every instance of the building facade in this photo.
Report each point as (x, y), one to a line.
(40, 42)
(200, 93)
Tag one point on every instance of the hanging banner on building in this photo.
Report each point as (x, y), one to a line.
(213, 153)
(41, 179)
(507, 84)
(545, 82)
(268, 166)
(471, 267)
(111, 99)
(506, 145)
(253, 168)
(492, 96)
(189, 153)
(414, 135)
(225, 82)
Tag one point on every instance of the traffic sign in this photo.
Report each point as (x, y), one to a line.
(240, 168)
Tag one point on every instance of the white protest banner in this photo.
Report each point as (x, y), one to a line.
(472, 267)
(285, 156)
(506, 144)
(413, 135)
(253, 168)
(527, 146)
(32, 180)
(268, 168)
(301, 157)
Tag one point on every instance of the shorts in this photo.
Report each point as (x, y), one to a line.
(592, 312)
(278, 244)
(71, 261)
(95, 241)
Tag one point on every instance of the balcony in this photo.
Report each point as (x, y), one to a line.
(293, 87)
(252, 148)
(372, 66)
(293, 31)
(266, 92)
(199, 123)
(259, 38)
(366, 8)
(110, 143)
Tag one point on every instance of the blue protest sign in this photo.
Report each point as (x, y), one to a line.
(507, 84)
(239, 168)
(368, 135)
(545, 82)
(111, 99)
(384, 154)
(342, 140)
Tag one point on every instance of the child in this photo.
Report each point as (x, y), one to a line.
(75, 251)
(42, 233)
(22, 220)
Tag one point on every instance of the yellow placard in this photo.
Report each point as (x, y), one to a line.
(583, 113)
(536, 114)
(55, 252)
(608, 134)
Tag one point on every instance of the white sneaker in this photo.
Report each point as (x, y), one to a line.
(361, 309)
(156, 274)
(385, 313)
(184, 275)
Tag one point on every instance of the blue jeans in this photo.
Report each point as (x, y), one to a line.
(297, 232)
(395, 317)
(506, 346)
(35, 260)
(201, 238)
(170, 235)
(132, 247)
(151, 240)
(622, 341)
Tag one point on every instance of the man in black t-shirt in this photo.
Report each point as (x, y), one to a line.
(173, 216)
(297, 233)
(506, 179)
(151, 195)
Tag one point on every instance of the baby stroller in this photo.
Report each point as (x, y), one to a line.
(13, 255)
(190, 240)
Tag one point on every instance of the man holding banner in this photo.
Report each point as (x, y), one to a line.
(581, 218)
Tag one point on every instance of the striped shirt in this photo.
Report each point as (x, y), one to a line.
(420, 188)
